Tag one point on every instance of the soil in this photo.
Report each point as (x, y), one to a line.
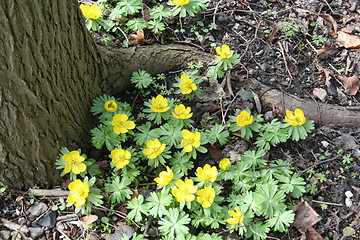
(295, 63)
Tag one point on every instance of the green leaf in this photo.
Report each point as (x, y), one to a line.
(180, 163)
(281, 221)
(217, 133)
(158, 203)
(257, 230)
(141, 79)
(159, 12)
(294, 185)
(145, 134)
(171, 135)
(271, 198)
(136, 24)
(120, 190)
(138, 208)
(174, 223)
(104, 135)
(253, 159)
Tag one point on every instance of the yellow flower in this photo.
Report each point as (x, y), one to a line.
(185, 190)
(155, 148)
(225, 164)
(165, 177)
(237, 217)
(74, 162)
(190, 140)
(207, 174)
(244, 119)
(93, 12)
(206, 197)
(180, 2)
(80, 191)
(296, 119)
(159, 104)
(224, 52)
(187, 85)
(121, 123)
(110, 106)
(180, 112)
(120, 157)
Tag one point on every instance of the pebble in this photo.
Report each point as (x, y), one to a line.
(35, 232)
(349, 194)
(49, 220)
(325, 143)
(37, 209)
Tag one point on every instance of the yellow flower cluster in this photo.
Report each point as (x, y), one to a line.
(236, 217)
(154, 148)
(165, 177)
(224, 52)
(120, 157)
(225, 164)
(244, 119)
(74, 162)
(180, 2)
(80, 191)
(207, 174)
(206, 197)
(93, 12)
(182, 112)
(121, 123)
(110, 106)
(185, 190)
(159, 104)
(296, 119)
(187, 85)
(190, 141)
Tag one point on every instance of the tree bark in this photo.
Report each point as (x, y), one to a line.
(50, 72)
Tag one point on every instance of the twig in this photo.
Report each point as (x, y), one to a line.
(215, 10)
(328, 203)
(319, 163)
(118, 213)
(285, 62)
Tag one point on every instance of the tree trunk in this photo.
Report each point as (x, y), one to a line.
(50, 72)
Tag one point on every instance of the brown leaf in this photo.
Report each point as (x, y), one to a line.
(305, 218)
(137, 38)
(351, 84)
(348, 40)
(320, 93)
(89, 219)
(331, 20)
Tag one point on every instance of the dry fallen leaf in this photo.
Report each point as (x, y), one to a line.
(89, 219)
(351, 84)
(305, 218)
(136, 38)
(320, 93)
(333, 29)
(348, 40)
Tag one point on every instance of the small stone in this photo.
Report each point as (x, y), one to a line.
(120, 231)
(325, 143)
(348, 202)
(35, 232)
(4, 234)
(49, 220)
(245, 95)
(349, 194)
(37, 209)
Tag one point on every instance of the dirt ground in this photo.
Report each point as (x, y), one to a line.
(308, 49)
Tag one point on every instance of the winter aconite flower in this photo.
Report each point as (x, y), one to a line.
(185, 190)
(224, 52)
(182, 112)
(74, 162)
(206, 197)
(120, 157)
(110, 106)
(244, 119)
(187, 85)
(165, 177)
(207, 174)
(122, 124)
(80, 191)
(296, 119)
(159, 104)
(154, 148)
(190, 141)
(236, 217)
(93, 12)
(180, 2)
(225, 164)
